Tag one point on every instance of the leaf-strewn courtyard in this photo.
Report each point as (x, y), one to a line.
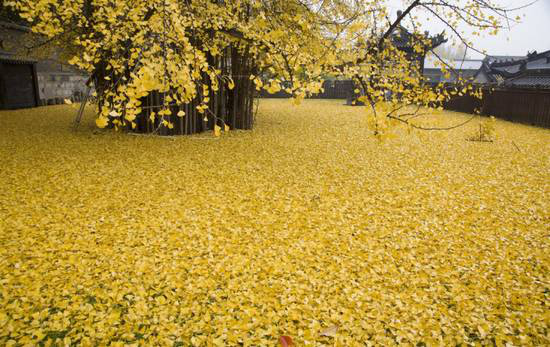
(307, 226)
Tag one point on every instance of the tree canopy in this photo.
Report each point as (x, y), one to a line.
(135, 47)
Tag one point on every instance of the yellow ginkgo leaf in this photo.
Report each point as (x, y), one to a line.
(181, 114)
(102, 122)
(330, 332)
(419, 255)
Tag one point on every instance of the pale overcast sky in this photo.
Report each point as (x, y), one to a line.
(532, 34)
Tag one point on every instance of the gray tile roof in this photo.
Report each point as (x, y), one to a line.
(503, 58)
(8, 25)
(542, 63)
(509, 69)
(12, 59)
(530, 81)
(532, 71)
(457, 64)
(402, 38)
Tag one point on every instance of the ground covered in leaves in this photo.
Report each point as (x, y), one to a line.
(307, 227)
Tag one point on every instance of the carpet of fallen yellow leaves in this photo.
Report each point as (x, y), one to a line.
(307, 227)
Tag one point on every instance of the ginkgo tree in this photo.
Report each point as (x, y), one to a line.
(205, 58)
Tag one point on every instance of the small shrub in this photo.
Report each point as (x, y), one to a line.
(486, 132)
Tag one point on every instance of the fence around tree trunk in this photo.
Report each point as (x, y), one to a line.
(231, 107)
(527, 106)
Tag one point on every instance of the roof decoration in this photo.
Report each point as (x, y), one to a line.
(402, 38)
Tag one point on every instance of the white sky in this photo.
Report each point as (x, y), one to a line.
(533, 33)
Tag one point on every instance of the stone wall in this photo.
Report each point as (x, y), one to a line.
(54, 86)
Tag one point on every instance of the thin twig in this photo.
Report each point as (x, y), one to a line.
(432, 128)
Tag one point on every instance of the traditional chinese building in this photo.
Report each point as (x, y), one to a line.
(405, 41)
(24, 79)
(529, 72)
(18, 82)
(457, 69)
(503, 65)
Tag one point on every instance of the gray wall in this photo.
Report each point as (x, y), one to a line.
(56, 81)
(52, 85)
